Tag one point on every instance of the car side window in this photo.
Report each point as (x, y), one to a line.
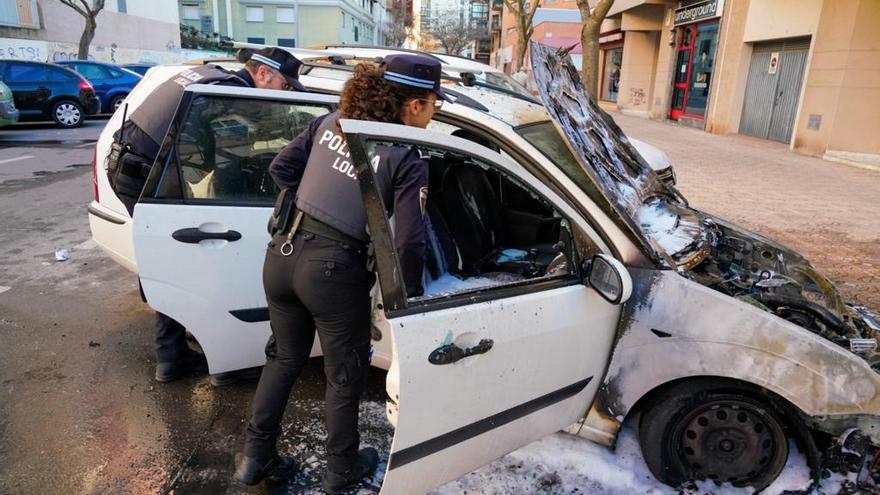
(116, 74)
(19, 73)
(90, 71)
(487, 228)
(225, 145)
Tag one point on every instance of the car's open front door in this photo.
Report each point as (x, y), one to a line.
(479, 374)
(200, 226)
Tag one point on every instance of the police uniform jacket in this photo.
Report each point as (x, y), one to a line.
(317, 165)
(146, 127)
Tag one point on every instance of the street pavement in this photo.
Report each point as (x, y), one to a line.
(80, 413)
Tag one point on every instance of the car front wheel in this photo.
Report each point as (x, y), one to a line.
(67, 114)
(117, 102)
(695, 433)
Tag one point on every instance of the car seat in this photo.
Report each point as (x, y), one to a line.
(477, 222)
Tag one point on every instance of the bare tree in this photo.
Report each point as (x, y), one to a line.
(453, 32)
(398, 28)
(591, 22)
(89, 10)
(523, 12)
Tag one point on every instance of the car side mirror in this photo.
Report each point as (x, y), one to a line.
(610, 278)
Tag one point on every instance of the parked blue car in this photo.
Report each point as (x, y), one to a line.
(112, 83)
(139, 68)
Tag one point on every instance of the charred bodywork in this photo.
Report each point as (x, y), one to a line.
(715, 300)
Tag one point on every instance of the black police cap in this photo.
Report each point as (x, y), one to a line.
(415, 71)
(283, 62)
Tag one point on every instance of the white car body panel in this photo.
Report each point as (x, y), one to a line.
(536, 378)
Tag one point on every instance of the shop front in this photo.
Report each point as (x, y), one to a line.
(611, 46)
(696, 32)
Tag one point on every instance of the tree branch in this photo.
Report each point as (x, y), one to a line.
(75, 7)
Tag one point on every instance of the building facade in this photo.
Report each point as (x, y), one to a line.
(289, 23)
(801, 72)
(127, 31)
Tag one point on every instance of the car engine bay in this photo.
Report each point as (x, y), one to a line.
(769, 276)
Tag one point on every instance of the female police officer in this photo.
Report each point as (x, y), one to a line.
(320, 281)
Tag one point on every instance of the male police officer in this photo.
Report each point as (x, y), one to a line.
(138, 144)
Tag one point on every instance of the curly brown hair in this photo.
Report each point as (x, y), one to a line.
(368, 96)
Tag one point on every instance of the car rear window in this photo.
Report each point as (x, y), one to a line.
(24, 73)
(62, 75)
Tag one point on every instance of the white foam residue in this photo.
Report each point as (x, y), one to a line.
(564, 463)
(664, 226)
(450, 284)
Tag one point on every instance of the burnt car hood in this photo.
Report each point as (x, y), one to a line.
(623, 178)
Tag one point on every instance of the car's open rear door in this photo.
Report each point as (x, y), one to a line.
(478, 377)
(200, 225)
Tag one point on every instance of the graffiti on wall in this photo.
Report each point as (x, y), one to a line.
(636, 96)
(48, 51)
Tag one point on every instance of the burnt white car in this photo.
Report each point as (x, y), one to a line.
(567, 286)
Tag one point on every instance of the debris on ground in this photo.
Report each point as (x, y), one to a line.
(62, 254)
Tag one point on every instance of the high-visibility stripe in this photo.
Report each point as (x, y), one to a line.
(408, 80)
(266, 60)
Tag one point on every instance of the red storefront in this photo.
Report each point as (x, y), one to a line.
(696, 34)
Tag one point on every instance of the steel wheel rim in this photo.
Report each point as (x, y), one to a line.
(117, 103)
(730, 441)
(67, 113)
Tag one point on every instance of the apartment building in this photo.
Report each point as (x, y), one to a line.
(290, 23)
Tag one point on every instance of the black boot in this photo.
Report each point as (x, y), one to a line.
(251, 472)
(230, 377)
(188, 361)
(364, 467)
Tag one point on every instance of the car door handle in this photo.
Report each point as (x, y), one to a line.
(194, 235)
(451, 353)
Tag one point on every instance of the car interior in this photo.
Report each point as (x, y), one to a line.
(486, 229)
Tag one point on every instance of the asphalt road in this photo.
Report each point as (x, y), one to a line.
(79, 410)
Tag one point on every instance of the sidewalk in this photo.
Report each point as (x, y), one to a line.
(827, 211)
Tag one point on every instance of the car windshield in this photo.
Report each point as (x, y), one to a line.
(659, 218)
(503, 81)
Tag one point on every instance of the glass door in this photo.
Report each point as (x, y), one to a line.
(693, 69)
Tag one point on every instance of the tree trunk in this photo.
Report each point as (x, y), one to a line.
(86, 39)
(591, 24)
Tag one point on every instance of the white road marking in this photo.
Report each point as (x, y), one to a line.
(25, 157)
(4, 288)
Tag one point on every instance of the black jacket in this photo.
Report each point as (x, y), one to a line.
(317, 165)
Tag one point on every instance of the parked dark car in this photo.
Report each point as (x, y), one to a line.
(48, 91)
(139, 68)
(111, 83)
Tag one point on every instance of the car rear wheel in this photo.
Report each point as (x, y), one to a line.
(695, 433)
(67, 114)
(117, 102)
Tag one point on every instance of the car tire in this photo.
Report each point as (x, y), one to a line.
(68, 114)
(696, 430)
(116, 102)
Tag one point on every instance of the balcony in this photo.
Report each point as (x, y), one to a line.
(20, 14)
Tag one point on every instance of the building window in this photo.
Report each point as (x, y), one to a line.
(343, 19)
(356, 33)
(254, 14)
(611, 73)
(257, 41)
(121, 7)
(287, 42)
(191, 12)
(284, 15)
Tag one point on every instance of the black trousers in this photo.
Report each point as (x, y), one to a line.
(323, 286)
(170, 339)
